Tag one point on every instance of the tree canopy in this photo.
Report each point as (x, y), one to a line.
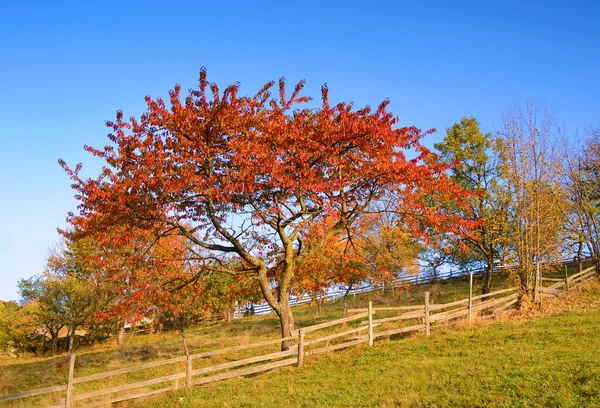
(244, 177)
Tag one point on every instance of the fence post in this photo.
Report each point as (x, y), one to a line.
(541, 291)
(68, 402)
(427, 324)
(188, 372)
(566, 279)
(300, 348)
(370, 323)
(470, 296)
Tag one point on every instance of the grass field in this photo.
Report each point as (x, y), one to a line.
(548, 361)
(23, 374)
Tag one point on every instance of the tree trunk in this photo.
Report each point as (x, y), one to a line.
(487, 282)
(286, 319)
(281, 302)
(71, 339)
(346, 293)
(54, 336)
(526, 289)
(121, 336)
(579, 255)
(319, 302)
(183, 338)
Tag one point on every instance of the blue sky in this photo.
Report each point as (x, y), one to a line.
(66, 67)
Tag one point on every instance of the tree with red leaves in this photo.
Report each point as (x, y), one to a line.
(242, 178)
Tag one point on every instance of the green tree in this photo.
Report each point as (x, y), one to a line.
(18, 329)
(68, 294)
(476, 170)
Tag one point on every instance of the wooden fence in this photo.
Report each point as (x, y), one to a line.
(420, 278)
(564, 285)
(359, 327)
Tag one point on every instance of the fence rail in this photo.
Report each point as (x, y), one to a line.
(427, 315)
(264, 308)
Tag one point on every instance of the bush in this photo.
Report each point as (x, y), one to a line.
(18, 330)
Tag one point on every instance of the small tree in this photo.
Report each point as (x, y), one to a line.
(536, 202)
(69, 293)
(18, 328)
(477, 170)
(581, 183)
(63, 302)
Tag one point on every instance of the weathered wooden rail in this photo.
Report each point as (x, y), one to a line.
(420, 318)
(263, 308)
(568, 282)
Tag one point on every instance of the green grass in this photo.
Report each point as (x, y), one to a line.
(548, 362)
(25, 374)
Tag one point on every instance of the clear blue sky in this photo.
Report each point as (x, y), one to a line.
(66, 67)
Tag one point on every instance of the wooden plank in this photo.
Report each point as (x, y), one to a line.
(370, 334)
(447, 305)
(436, 317)
(553, 280)
(127, 370)
(245, 361)
(589, 278)
(495, 293)
(31, 393)
(551, 291)
(494, 302)
(245, 346)
(427, 321)
(188, 372)
(389, 309)
(245, 371)
(404, 316)
(386, 309)
(582, 276)
(578, 274)
(470, 304)
(466, 301)
(407, 329)
(334, 322)
(559, 284)
(336, 335)
(126, 397)
(363, 339)
(68, 403)
(127, 387)
(452, 314)
(300, 348)
(582, 282)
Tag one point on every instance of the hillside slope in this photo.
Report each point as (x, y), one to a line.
(552, 361)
